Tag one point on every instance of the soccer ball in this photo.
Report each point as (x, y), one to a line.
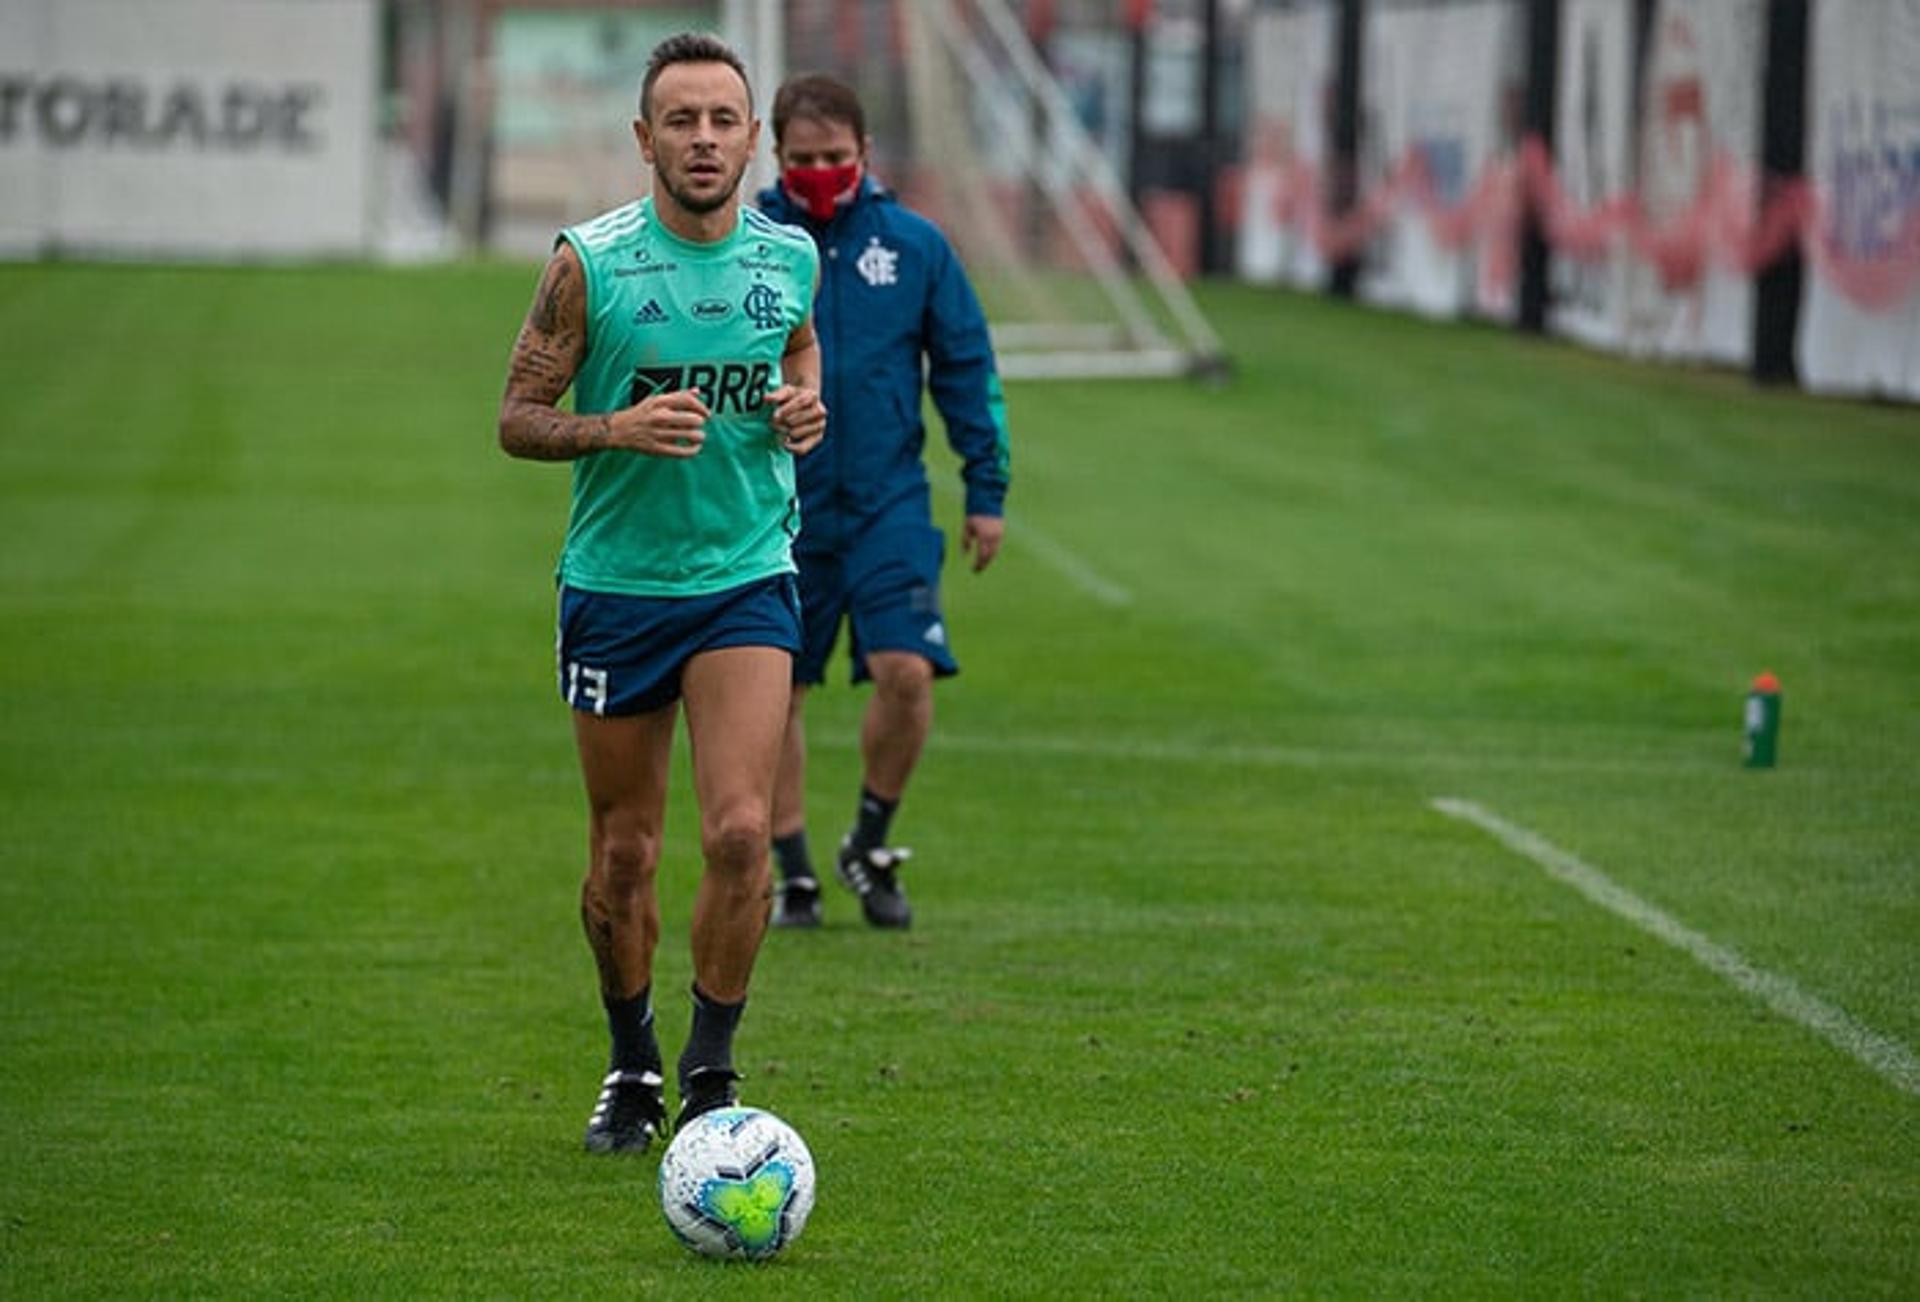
(736, 1182)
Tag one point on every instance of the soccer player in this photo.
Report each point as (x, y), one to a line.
(893, 300)
(682, 323)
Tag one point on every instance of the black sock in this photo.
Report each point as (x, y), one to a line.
(631, 1023)
(791, 854)
(710, 1042)
(871, 822)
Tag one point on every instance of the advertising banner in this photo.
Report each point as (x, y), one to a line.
(1289, 83)
(187, 128)
(1436, 102)
(1689, 295)
(1593, 157)
(1860, 307)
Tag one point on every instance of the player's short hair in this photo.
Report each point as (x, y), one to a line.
(690, 47)
(819, 98)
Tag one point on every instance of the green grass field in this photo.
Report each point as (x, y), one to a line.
(1204, 996)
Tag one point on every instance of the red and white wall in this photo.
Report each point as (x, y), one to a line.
(1654, 202)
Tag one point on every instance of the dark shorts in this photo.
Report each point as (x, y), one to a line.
(887, 588)
(624, 655)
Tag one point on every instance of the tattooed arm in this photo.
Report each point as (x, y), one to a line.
(547, 355)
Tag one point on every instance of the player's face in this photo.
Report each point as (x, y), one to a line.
(812, 142)
(698, 135)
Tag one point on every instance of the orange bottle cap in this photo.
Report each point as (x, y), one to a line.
(1766, 683)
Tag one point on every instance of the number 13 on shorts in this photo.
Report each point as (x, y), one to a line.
(586, 687)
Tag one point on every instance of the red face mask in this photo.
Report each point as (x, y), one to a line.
(821, 190)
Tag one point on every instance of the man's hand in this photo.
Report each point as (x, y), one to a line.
(981, 536)
(799, 417)
(665, 425)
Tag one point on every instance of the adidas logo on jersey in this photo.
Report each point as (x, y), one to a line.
(650, 313)
(936, 633)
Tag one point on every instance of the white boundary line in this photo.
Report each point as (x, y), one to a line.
(1054, 554)
(1888, 1057)
(1076, 571)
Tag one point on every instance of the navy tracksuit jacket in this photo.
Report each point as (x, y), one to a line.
(892, 292)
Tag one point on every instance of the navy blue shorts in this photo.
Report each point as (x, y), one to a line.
(624, 655)
(887, 588)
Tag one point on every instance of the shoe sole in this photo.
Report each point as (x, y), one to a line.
(884, 923)
(795, 921)
(620, 1150)
(686, 1118)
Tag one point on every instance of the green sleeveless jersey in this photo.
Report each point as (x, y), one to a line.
(666, 314)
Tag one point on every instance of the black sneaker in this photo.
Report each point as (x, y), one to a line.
(705, 1090)
(631, 1113)
(797, 904)
(873, 876)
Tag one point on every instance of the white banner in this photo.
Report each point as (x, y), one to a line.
(1289, 79)
(1438, 80)
(1859, 330)
(204, 128)
(1593, 153)
(1699, 144)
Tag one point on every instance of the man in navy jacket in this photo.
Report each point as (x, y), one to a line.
(894, 306)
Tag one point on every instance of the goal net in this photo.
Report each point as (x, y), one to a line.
(972, 128)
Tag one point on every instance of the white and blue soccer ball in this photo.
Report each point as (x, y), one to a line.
(737, 1182)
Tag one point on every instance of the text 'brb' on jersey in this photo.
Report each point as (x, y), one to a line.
(665, 314)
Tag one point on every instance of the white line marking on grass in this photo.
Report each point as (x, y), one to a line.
(1055, 554)
(1890, 1058)
(1063, 559)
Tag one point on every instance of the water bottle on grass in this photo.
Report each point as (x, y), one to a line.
(1763, 722)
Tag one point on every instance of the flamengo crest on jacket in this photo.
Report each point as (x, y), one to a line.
(893, 291)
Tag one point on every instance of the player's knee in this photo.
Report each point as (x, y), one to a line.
(735, 838)
(904, 677)
(623, 869)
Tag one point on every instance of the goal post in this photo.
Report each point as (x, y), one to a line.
(972, 128)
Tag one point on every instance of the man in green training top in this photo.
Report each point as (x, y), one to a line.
(682, 324)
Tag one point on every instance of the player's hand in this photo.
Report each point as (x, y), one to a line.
(799, 417)
(665, 425)
(981, 536)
